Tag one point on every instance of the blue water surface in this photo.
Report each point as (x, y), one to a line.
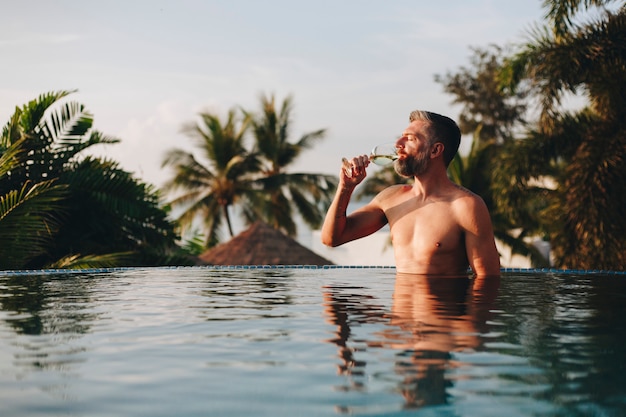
(300, 341)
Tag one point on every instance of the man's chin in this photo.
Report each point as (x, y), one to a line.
(401, 170)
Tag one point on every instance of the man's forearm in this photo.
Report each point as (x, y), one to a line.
(336, 217)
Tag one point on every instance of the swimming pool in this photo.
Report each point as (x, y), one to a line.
(300, 341)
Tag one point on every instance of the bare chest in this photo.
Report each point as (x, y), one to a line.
(428, 228)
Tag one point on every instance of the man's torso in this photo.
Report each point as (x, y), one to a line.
(426, 234)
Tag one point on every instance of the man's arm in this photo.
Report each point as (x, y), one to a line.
(338, 227)
(480, 245)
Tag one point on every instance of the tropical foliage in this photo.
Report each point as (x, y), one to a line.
(208, 187)
(488, 112)
(573, 159)
(60, 210)
(243, 165)
(286, 194)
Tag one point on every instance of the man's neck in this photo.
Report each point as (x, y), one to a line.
(431, 183)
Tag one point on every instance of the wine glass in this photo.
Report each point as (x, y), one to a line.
(384, 154)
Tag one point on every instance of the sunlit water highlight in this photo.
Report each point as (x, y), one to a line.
(310, 342)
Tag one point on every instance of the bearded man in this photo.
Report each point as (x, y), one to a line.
(437, 227)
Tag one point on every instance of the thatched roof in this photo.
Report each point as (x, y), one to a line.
(262, 245)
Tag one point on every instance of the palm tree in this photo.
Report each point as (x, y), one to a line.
(489, 112)
(28, 216)
(210, 187)
(283, 193)
(116, 214)
(576, 159)
(96, 214)
(251, 176)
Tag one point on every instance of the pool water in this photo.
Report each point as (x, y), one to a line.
(300, 341)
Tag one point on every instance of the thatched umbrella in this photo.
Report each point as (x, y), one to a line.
(262, 245)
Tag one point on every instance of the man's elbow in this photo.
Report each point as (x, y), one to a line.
(486, 267)
(330, 239)
(491, 270)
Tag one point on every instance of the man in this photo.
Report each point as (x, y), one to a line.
(437, 227)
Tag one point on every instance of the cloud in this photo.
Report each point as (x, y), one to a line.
(144, 140)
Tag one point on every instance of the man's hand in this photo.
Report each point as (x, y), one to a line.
(353, 171)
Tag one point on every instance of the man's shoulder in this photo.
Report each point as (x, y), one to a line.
(394, 190)
(467, 202)
(390, 196)
(464, 193)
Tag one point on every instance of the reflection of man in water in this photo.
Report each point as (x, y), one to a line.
(343, 310)
(431, 318)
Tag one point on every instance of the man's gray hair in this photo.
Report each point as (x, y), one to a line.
(441, 129)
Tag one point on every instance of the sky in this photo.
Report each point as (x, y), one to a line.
(144, 68)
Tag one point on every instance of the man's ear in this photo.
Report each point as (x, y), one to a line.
(436, 150)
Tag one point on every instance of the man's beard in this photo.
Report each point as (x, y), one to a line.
(412, 165)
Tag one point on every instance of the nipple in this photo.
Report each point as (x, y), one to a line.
(438, 244)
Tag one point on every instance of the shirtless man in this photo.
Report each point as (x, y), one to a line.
(437, 227)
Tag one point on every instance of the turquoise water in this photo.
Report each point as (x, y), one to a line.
(311, 342)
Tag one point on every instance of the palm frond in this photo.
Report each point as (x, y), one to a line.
(33, 112)
(11, 157)
(561, 12)
(29, 219)
(109, 260)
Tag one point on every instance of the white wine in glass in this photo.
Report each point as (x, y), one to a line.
(384, 154)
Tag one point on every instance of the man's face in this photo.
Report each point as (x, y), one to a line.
(414, 150)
